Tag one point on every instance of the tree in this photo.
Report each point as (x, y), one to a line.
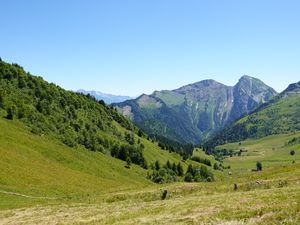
(140, 133)
(128, 162)
(168, 165)
(259, 166)
(130, 138)
(1, 101)
(174, 168)
(190, 169)
(157, 165)
(292, 153)
(180, 169)
(11, 112)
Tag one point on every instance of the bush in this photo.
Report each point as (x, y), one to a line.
(164, 176)
(216, 166)
(292, 153)
(188, 177)
(259, 166)
(11, 112)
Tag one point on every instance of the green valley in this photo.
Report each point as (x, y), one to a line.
(73, 186)
(67, 158)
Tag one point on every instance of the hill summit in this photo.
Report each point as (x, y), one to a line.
(194, 112)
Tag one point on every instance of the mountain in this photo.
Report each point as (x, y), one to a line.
(194, 112)
(278, 116)
(107, 98)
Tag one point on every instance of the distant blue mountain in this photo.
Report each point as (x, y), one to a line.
(107, 98)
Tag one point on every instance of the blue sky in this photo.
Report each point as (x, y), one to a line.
(138, 46)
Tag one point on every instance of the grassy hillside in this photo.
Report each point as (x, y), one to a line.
(72, 118)
(272, 151)
(271, 196)
(40, 166)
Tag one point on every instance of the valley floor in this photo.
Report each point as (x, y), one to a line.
(257, 201)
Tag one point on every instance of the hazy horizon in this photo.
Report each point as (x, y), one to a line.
(171, 88)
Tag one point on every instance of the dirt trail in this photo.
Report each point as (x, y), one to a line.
(25, 196)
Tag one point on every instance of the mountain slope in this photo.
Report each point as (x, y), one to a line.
(278, 116)
(194, 112)
(107, 98)
(72, 118)
(48, 171)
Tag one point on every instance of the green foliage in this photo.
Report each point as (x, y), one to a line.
(157, 165)
(11, 112)
(163, 175)
(216, 166)
(196, 174)
(294, 141)
(125, 151)
(259, 166)
(292, 153)
(166, 174)
(180, 171)
(200, 160)
(74, 119)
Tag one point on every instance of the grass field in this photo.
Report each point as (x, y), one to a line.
(45, 182)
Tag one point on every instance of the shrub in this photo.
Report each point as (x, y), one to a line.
(292, 153)
(259, 166)
(216, 166)
(188, 177)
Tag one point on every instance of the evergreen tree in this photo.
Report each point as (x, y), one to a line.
(190, 169)
(168, 165)
(174, 168)
(180, 169)
(157, 165)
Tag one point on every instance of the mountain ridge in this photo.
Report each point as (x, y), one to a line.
(107, 98)
(195, 111)
(280, 115)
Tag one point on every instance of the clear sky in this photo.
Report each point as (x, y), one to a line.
(138, 46)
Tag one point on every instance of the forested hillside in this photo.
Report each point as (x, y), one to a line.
(73, 118)
(81, 121)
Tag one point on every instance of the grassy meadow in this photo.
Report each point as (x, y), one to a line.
(45, 182)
